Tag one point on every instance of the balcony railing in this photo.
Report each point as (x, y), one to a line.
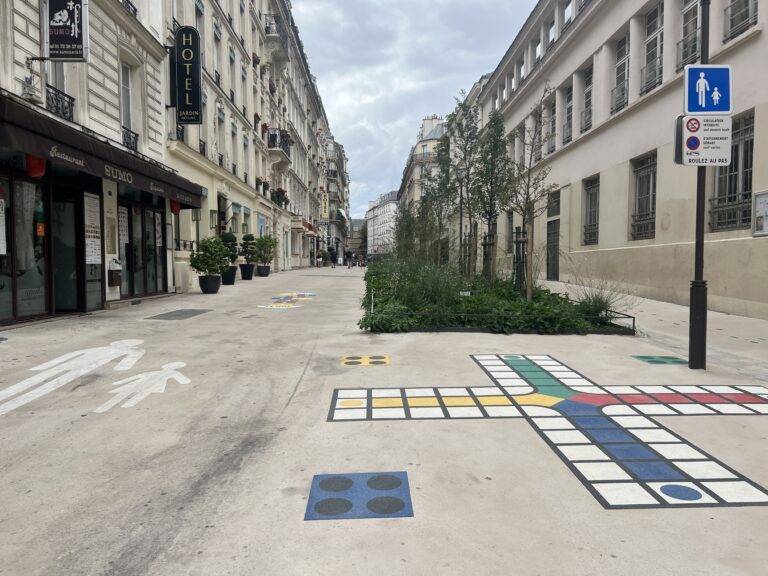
(131, 8)
(591, 234)
(234, 168)
(221, 160)
(733, 213)
(180, 132)
(586, 120)
(184, 245)
(651, 75)
(61, 104)
(217, 78)
(643, 226)
(567, 132)
(424, 156)
(688, 50)
(202, 147)
(273, 26)
(278, 139)
(130, 139)
(332, 174)
(740, 15)
(620, 97)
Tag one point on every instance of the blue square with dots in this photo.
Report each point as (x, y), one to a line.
(355, 496)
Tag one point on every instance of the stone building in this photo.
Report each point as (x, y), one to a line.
(422, 158)
(381, 218)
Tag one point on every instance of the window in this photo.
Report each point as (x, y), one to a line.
(586, 115)
(688, 47)
(644, 207)
(591, 211)
(125, 96)
(553, 204)
(550, 34)
(620, 92)
(551, 127)
(739, 16)
(200, 25)
(651, 74)
(731, 207)
(567, 14)
(537, 50)
(568, 121)
(510, 232)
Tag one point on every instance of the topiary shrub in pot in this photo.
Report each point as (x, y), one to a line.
(210, 260)
(265, 254)
(230, 242)
(248, 252)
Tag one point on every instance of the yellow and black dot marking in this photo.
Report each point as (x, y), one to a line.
(365, 361)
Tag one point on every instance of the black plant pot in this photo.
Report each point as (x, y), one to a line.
(246, 271)
(228, 278)
(262, 271)
(209, 284)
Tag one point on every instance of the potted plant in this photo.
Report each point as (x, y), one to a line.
(248, 252)
(264, 249)
(210, 260)
(230, 243)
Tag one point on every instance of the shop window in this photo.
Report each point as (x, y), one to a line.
(643, 224)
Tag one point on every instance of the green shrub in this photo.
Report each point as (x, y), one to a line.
(597, 309)
(264, 250)
(230, 242)
(389, 318)
(211, 257)
(248, 248)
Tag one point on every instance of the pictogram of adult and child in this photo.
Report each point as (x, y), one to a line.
(74, 365)
(703, 88)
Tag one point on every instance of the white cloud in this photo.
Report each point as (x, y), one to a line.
(382, 65)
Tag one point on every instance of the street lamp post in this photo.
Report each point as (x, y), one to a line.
(697, 347)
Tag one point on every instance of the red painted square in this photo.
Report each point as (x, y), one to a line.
(595, 399)
(709, 398)
(673, 398)
(637, 399)
(744, 398)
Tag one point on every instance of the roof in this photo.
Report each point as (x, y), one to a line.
(436, 133)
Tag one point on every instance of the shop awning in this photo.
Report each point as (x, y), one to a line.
(26, 130)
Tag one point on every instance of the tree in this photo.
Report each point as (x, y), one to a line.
(440, 195)
(531, 189)
(463, 130)
(495, 182)
(405, 233)
(364, 238)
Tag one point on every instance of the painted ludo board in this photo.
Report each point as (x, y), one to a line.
(606, 435)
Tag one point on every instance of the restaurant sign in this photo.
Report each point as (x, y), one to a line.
(66, 30)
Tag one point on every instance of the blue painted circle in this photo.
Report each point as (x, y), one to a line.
(681, 492)
(693, 143)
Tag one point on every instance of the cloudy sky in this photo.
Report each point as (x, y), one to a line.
(382, 65)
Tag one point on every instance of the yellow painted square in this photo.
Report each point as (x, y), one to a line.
(365, 361)
(538, 400)
(494, 401)
(420, 402)
(387, 402)
(458, 401)
(352, 403)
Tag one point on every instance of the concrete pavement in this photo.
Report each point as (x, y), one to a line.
(213, 476)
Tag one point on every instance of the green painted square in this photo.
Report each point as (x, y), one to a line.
(673, 360)
(556, 391)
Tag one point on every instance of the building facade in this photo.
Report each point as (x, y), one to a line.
(422, 158)
(381, 219)
(358, 237)
(337, 222)
(86, 199)
(612, 77)
(261, 150)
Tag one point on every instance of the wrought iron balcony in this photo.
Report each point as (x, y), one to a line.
(130, 139)
(217, 78)
(730, 213)
(688, 50)
(202, 147)
(424, 157)
(586, 120)
(131, 8)
(61, 104)
(643, 226)
(277, 39)
(739, 15)
(620, 97)
(651, 76)
(591, 234)
(279, 144)
(221, 160)
(180, 132)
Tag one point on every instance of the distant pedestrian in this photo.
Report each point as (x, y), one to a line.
(348, 258)
(333, 254)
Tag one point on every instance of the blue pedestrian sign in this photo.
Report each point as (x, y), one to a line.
(708, 90)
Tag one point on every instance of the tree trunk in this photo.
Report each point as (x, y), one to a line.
(529, 280)
(494, 248)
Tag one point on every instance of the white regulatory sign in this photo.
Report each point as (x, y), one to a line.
(707, 140)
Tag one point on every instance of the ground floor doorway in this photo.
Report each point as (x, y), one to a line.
(141, 222)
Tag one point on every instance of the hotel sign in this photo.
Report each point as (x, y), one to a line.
(66, 30)
(189, 93)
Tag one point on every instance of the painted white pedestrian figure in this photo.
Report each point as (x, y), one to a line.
(68, 368)
(702, 87)
(133, 390)
(716, 96)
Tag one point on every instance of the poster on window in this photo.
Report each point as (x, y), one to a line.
(66, 38)
(158, 231)
(761, 214)
(92, 229)
(3, 246)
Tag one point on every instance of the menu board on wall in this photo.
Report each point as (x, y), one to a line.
(3, 247)
(92, 229)
(761, 214)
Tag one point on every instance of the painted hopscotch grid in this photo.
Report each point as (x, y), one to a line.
(365, 361)
(478, 402)
(623, 457)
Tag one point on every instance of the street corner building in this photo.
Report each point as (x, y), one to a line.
(103, 195)
(264, 152)
(624, 210)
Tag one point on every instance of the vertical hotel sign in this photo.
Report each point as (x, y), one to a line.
(66, 30)
(189, 93)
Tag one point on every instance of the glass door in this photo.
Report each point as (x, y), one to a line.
(124, 248)
(149, 251)
(6, 271)
(31, 223)
(137, 254)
